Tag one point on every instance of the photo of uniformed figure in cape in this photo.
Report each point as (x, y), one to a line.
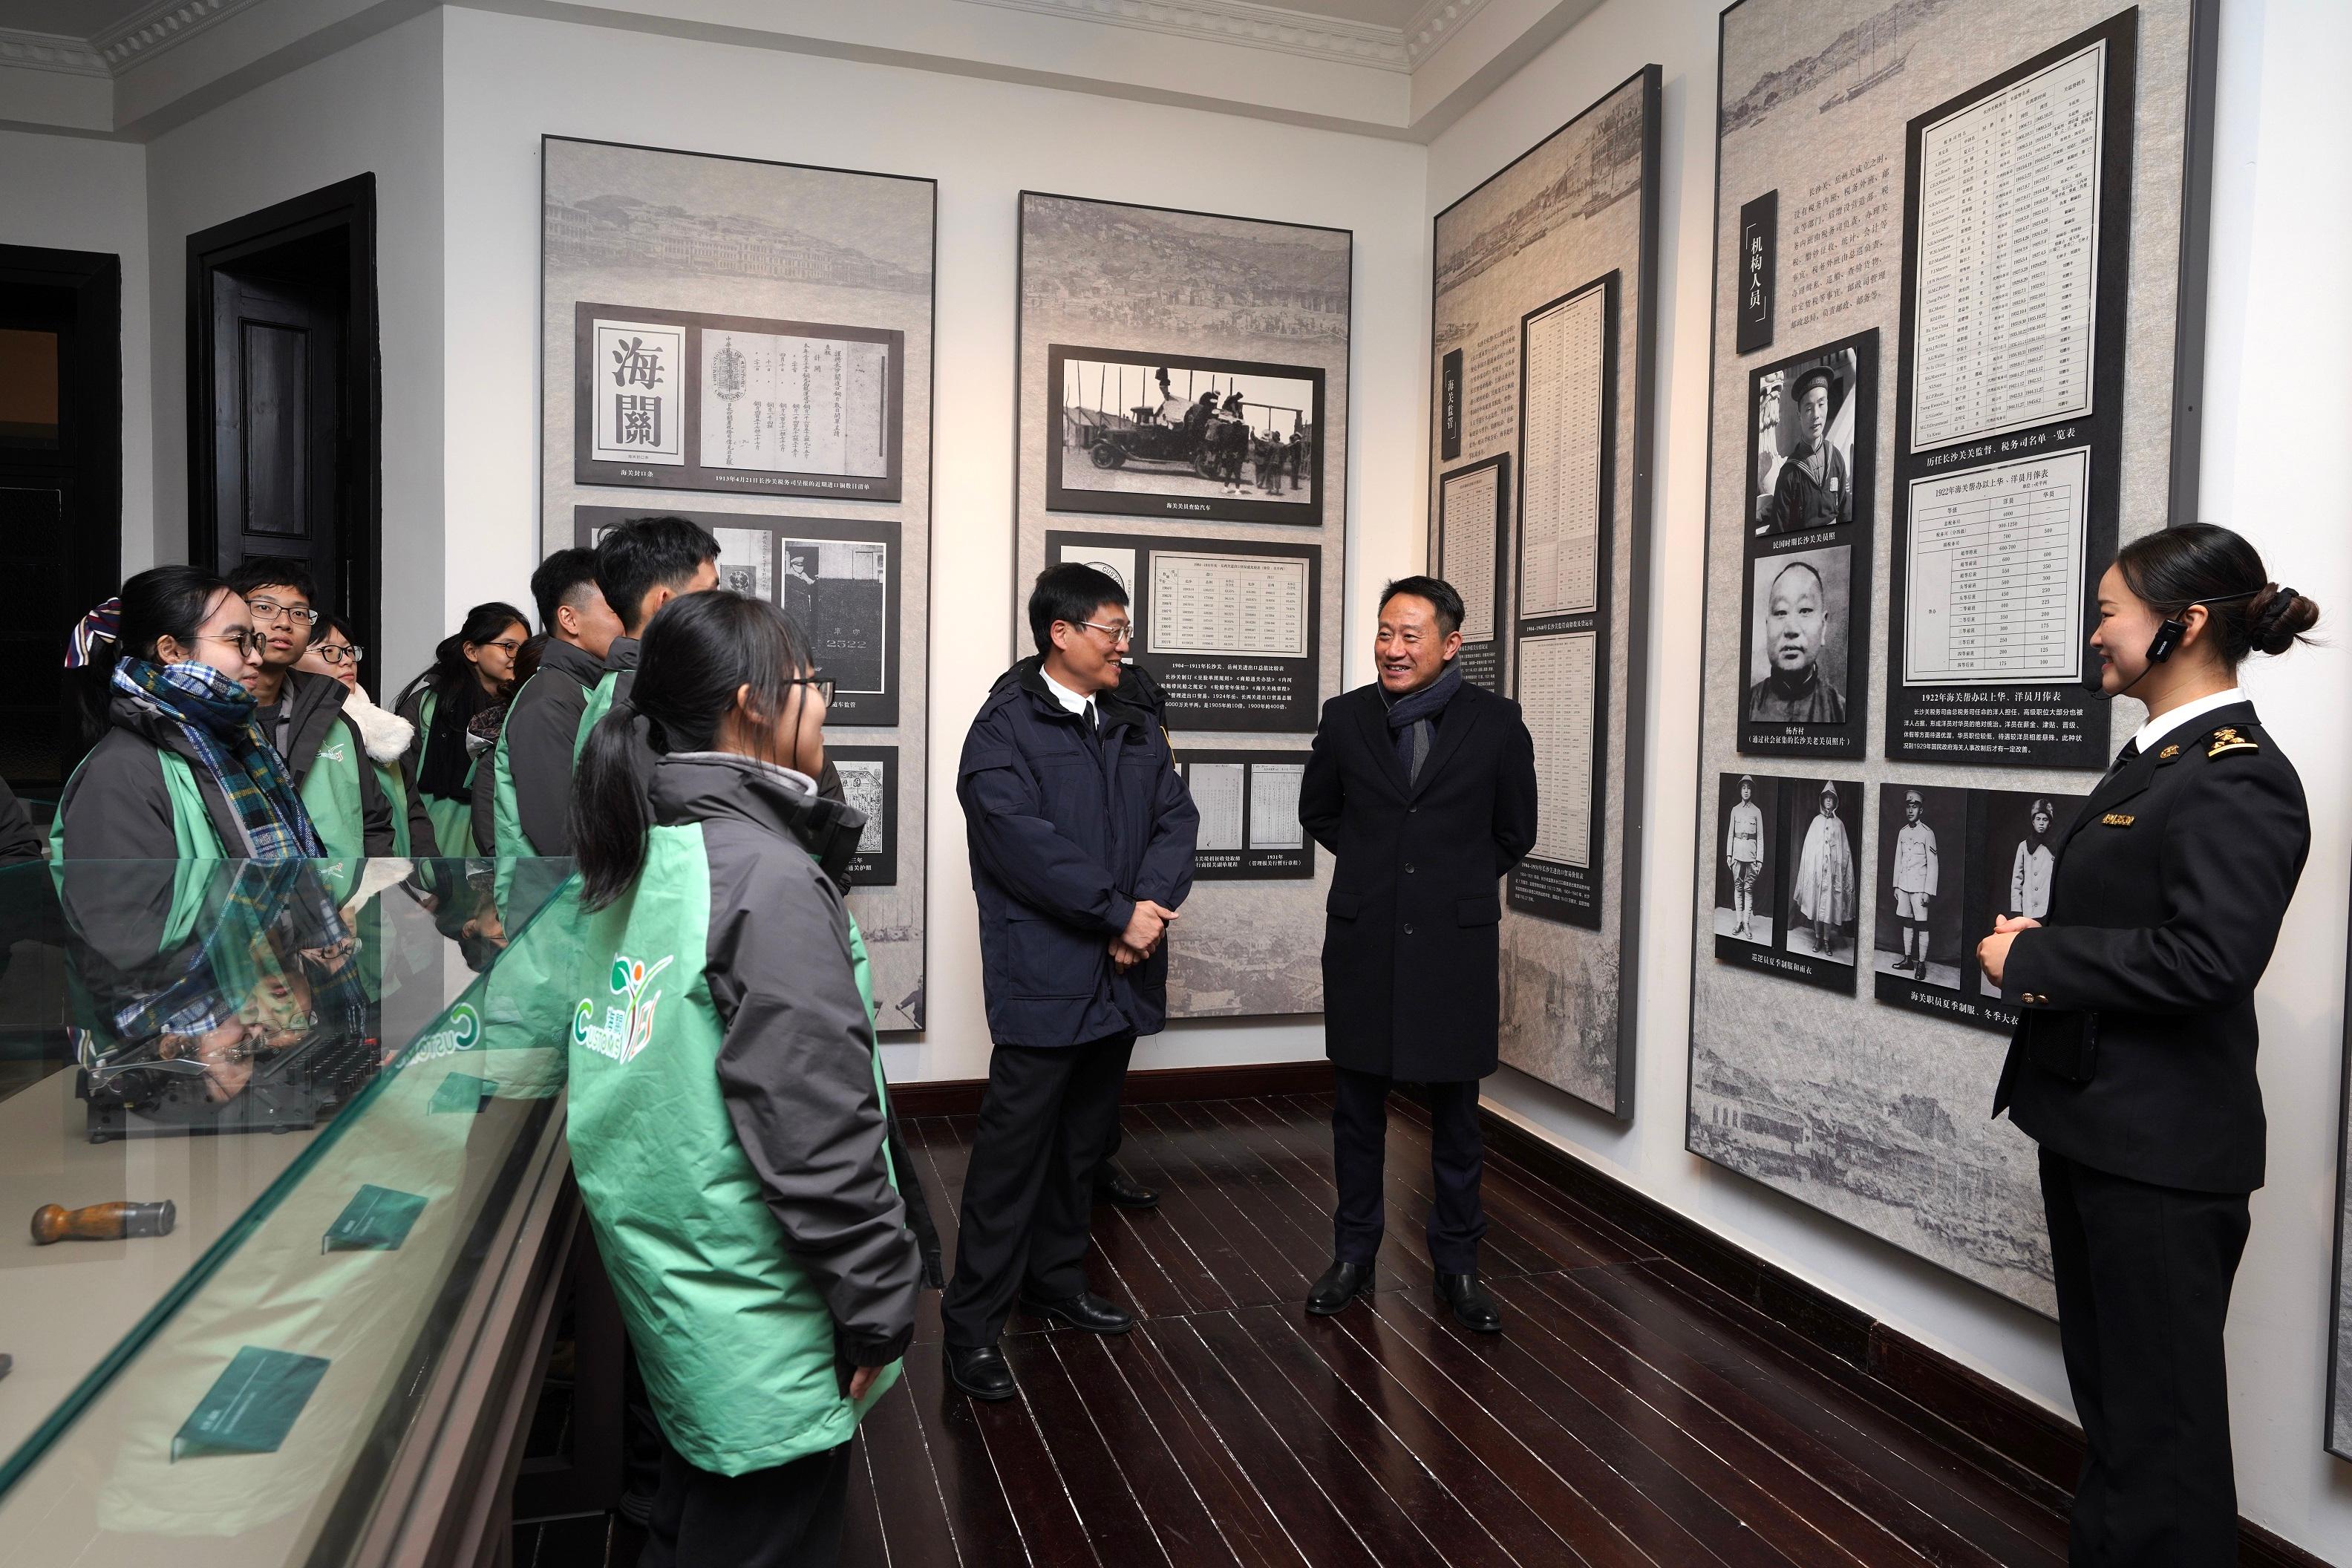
(2015, 856)
(1799, 636)
(1181, 435)
(1748, 836)
(1922, 849)
(1821, 896)
(1812, 442)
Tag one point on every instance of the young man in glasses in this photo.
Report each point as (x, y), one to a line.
(302, 714)
(1081, 835)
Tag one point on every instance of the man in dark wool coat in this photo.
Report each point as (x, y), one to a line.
(1423, 789)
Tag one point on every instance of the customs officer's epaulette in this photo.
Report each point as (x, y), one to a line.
(2227, 740)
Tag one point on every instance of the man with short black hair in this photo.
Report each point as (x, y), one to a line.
(1081, 836)
(641, 565)
(1422, 787)
(530, 767)
(302, 714)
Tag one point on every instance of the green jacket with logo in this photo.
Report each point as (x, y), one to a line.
(538, 746)
(728, 1125)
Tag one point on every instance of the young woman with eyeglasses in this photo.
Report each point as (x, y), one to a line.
(728, 1122)
(473, 669)
(334, 651)
(177, 768)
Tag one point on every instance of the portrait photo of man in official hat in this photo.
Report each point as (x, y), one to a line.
(1805, 462)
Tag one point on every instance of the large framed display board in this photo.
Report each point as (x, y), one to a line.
(1183, 426)
(749, 345)
(1544, 319)
(1958, 319)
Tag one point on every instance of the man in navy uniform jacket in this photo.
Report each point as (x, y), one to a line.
(1423, 789)
(1081, 835)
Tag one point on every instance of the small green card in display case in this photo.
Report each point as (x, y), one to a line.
(377, 1219)
(252, 1405)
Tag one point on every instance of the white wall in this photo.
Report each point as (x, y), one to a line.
(985, 142)
(2278, 468)
(76, 192)
(373, 107)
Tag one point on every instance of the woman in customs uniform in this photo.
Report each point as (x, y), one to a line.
(2133, 1063)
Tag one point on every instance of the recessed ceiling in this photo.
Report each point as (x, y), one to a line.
(74, 18)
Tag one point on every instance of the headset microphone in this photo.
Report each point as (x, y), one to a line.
(2162, 646)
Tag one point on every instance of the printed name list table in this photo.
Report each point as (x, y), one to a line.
(2008, 243)
(1993, 588)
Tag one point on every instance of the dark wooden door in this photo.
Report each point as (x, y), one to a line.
(61, 490)
(284, 394)
(277, 432)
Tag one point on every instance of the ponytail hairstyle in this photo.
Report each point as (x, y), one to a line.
(161, 602)
(2205, 563)
(697, 653)
(451, 669)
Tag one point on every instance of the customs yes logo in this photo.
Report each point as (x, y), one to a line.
(627, 1027)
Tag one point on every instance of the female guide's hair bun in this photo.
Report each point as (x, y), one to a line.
(2278, 618)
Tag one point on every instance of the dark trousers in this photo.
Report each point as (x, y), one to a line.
(1045, 1124)
(2143, 1275)
(1360, 1122)
(787, 1517)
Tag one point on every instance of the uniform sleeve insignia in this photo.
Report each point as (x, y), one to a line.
(2227, 740)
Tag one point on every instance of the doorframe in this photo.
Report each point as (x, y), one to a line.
(348, 204)
(92, 410)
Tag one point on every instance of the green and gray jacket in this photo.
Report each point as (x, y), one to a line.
(728, 1122)
(531, 764)
(331, 770)
(620, 674)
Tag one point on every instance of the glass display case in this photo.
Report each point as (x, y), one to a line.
(284, 1147)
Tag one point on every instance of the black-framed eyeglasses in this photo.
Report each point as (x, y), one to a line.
(335, 653)
(512, 645)
(1118, 634)
(250, 643)
(270, 609)
(822, 683)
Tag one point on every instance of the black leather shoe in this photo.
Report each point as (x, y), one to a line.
(980, 1371)
(1084, 1310)
(1115, 1189)
(1471, 1306)
(1341, 1283)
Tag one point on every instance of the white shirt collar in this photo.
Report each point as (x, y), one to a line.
(2156, 730)
(1064, 695)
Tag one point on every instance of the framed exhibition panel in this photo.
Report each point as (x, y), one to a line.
(1958, 296)
(1544, 319)
(749, 345)
(1192, 370)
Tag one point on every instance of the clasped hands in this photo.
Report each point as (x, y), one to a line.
(1145, 928)
(1992, 953)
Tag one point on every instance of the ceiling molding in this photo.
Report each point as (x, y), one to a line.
(1436, 23)
(49, 52)
(1249, 25)
(158, 27)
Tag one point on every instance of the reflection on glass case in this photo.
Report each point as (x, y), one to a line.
(275, 1129)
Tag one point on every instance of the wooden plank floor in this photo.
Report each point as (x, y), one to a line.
(1630, 1414)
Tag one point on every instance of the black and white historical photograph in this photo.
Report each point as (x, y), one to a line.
(1814, 441)
(1922, 852)
(1180, 436)
(835, 581)
(1820, 897)
(869, 781)
(1799, 641)
(2014, 856)
(1748, 834)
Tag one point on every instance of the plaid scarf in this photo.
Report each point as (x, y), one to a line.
(215, 714)
(270, 915)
